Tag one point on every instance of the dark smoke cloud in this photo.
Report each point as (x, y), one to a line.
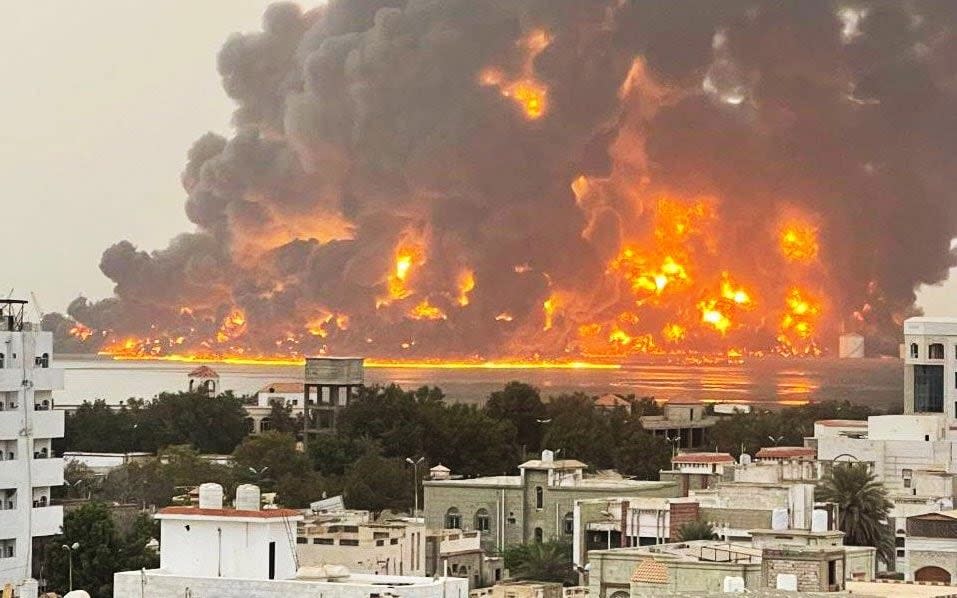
(362, 124)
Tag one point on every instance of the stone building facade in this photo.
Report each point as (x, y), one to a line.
(536, 505)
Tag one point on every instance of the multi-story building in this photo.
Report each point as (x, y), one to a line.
(28, 424)
(931, 548)
(245, 551)
(537, 504)
(453, 552)
(353, 539)
(930, 366)
(330, 383)
(684, 423)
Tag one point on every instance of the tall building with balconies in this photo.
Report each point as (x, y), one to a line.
(28, 425)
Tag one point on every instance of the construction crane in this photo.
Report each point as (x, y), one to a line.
(36, 306)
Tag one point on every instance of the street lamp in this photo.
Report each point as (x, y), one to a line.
(69, 548)
(675, 441)
(415, 482)
(775, 439)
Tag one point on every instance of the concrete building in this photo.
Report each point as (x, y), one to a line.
(232, 553)
(931, 548)
(537, 504)
(706, 566)
(330, 382)
(930, 366)
(353, 539)
(612, 402)
(692, 471)
(683, 423)
(290, 394)
(28, 424)
(452, 552)
(521, 589)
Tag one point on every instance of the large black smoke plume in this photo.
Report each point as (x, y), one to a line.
(449, 133)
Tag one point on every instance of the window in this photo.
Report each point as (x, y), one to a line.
(394, 541)
(511, 518)
(936, 351)
(928, 388)
(325, 541)
(906, 482)
(301, 540)
(539, 497)
(482, 521)
(380, 542)
(453, 519)
(539, 535)
(348, 542)
(914, 350)
(380, 535)
(568, 524)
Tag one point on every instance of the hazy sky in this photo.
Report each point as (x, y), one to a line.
(101, 101)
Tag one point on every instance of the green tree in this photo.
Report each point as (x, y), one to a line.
(696, 530)
(214, 424)
(375, 483)
(521, 404)
(541, 561)
(148, 483)
(78, 481)
(100, 552)
(863, 507)
(580, 431)
(281, 418)
(641, 455)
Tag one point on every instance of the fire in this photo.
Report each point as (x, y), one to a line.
(503, 317)
(798, 323)
(466, 283)
(798, 242)
(619, 336)
(673, 332)
(81, 332)
(711, 315)
(530, 94)
(426, 311)
(731, 293)
(407, 256)
(548, 309)
(233, 326)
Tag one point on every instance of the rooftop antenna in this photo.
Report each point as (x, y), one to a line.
(36, 306)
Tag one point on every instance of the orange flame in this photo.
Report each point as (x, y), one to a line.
(798, 242)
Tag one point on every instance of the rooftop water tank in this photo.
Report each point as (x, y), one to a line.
(248, 497)
(210, 496)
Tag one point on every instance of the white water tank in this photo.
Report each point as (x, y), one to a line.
(787, 582)
(248, 497)
(744, 459)
(819, 521)
(210, 496)
(779, 519)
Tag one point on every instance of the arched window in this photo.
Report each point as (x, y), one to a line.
(483, 522)
(453, 519)
(568, 524)
(250, 425)
(914, 350)
(539, 497)
(45, 360)
(2, 358)
(43, 501)
(539, 535)
(265, 425)
(935, 351)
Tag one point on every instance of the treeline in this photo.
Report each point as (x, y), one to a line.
(365, 459)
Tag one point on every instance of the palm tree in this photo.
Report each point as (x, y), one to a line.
(541, 561)
(696, 530)
(863, 507)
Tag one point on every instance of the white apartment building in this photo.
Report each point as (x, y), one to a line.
(28, 424)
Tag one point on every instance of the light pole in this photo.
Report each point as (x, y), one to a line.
(69, 548)
(775, 439)
(259, 474)
(674, 443)
(415, 483)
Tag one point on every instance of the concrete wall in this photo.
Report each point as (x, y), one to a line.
(131, 583)
(930, 552)
(241, 551)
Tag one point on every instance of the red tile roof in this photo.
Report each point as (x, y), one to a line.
(703, 458)
(203, 371)
(650, 571)
(611, 400)
(283, 387)
(842, 423)
(262, 514)
(785, 452)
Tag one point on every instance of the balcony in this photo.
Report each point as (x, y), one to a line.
(11, 422)
(47, 521)
(10, 522)
(47, 472)
(46, 424)
(11, 378)
(10, 470)
(48, 379)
